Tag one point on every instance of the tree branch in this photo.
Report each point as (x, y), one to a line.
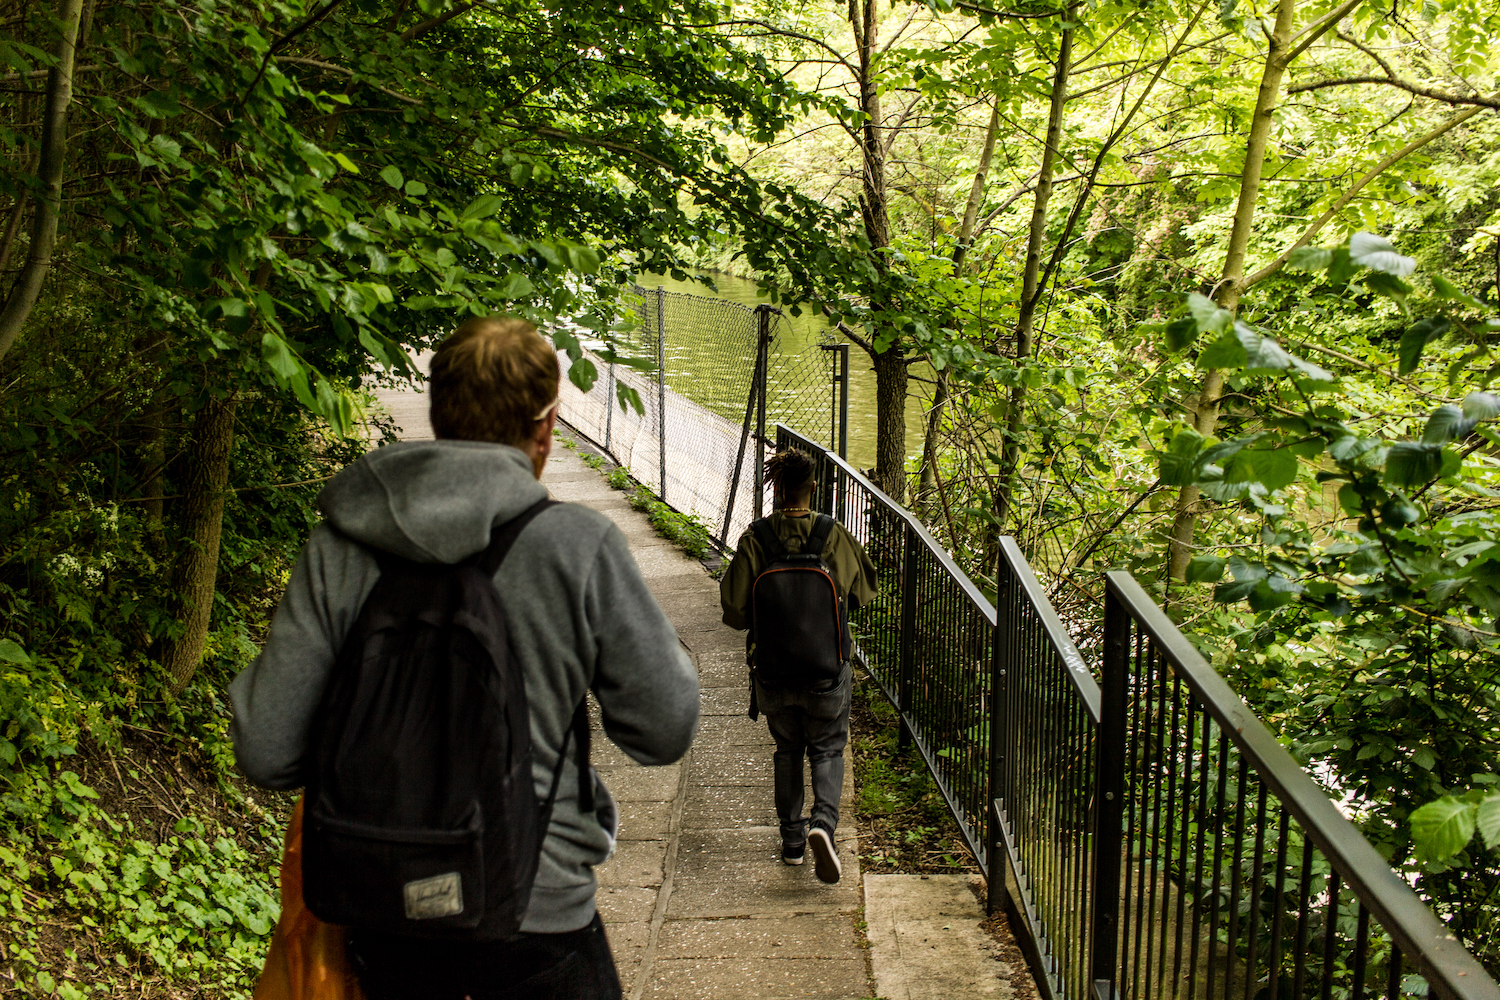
(1317, 29)
(1348, 196)
(332, 68)
(1399, 84)
(417, 30)
(283, 42)
(50, 161)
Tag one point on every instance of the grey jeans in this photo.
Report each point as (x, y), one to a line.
(800, 732)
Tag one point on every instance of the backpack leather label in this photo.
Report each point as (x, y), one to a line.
(438, 896)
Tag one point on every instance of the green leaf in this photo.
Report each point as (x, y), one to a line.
(1418, 336)
(1446, 423)
(629, 399)
(278, 356)
(1312, 372)
(1446, 289)
(1388, 285)
(482, 207)
(1231, 593)
(1179, 464)
(584, 260)
(415, 189)
(583, 374)
(1309, 259)
(1481, 406)
(1204, 568)
(1263, 355)
(1398, 512)
(1246, 572)
(1378, 254)
(1181, 333)
(515, 286)
(1341, 269)
(1441, 829)
(1413, 463)
(345, 162)
(1226, 352)
(1487, 819)
(392, 176)
(1208, 314)
(1273, 468)
(11, 652)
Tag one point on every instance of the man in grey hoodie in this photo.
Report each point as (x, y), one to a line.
(580, 618)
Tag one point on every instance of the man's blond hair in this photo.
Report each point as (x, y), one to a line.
(490, 379)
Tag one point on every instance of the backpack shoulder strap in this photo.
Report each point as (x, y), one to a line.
(578, 730)
(821, 529)
(770, 543)
(503, 537)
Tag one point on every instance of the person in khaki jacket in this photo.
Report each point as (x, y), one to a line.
(806, 719)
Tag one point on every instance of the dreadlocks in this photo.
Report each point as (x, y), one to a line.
(790, 473)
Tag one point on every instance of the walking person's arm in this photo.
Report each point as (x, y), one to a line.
(645, 682)
(276, 697)
(734, 588)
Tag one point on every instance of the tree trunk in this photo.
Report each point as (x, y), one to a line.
(890, 423)
(1031, 293)
(1206, 406)
(928, 481)
(28, 286)
(890, 364)
(202, 518)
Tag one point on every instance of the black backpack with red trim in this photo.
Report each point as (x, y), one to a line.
(799, 626)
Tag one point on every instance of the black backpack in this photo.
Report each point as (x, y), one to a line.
(421, 815)
(798, 625)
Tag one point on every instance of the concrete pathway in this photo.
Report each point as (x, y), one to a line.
(696, 899)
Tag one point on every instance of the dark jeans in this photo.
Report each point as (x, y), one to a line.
(821, 741)
(576, 965)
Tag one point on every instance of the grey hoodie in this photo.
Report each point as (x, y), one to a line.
(579, 613)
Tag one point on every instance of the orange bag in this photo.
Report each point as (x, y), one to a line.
(308, 958)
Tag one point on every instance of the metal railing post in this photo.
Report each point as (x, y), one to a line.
(1109, 798)
(661, 384)
(764, 313)
(908, 631)
(843, 438)
(997, 896)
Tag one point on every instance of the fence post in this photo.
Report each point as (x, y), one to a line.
(763, 314)
(1109, 797)
(908, 631)
(661, 384)
(996, 894)
(739, 462)
(609, 411)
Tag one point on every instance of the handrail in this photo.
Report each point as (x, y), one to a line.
(1444, 960)
(1079, 674)
(944, 558)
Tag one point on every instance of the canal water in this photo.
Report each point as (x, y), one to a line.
(702, 368)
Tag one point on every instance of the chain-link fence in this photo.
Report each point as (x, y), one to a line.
(693, 367)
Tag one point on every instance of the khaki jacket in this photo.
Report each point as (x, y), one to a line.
(854, 575)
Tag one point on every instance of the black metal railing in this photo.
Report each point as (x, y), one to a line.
(1223, 869)
(1047, 708)
(1151, 838)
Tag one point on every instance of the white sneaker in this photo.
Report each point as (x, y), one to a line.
(825, 856)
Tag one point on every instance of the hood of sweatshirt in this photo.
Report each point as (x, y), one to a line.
(430, 501)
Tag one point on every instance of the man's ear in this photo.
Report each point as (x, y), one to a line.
(541, 443)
